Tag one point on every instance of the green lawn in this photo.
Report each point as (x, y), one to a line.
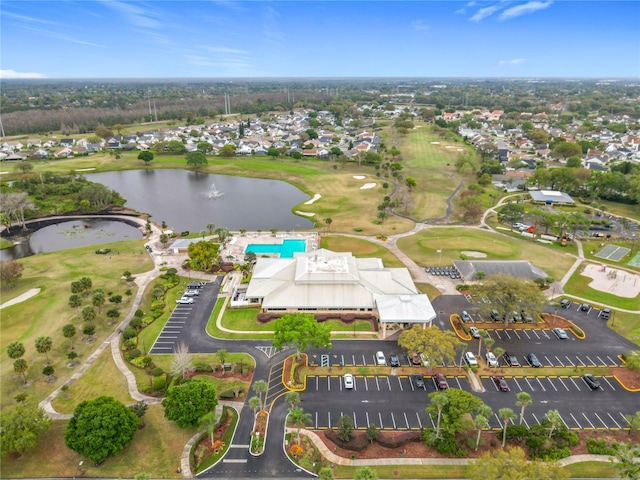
(360, 248)
(47, 312)
(452, 241)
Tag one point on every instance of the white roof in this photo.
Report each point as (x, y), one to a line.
(405, 309)
(328, 280)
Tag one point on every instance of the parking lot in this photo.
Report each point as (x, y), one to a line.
(395, 403)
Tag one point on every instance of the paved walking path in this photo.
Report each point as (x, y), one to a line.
(21, 298)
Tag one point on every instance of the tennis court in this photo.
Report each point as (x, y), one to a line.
(613, 253)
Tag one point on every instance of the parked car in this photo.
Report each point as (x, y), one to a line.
(415, 359)
(592, 381)
(440, 381)
(514, 317)
(425, 360)
(348, 381)
(465, 316)
(560, 333)
(191, 293)
(585, 307)
(605, 314)
(526, 317)
(418, 380)
(394, 361)
(470, 358)
(195, 285)
(492, 361)
(533, 360)
(184, 300)
(380, 358)
(495, 316)
(501, 383)
(475, 333)
(565, 303)
(511, 359)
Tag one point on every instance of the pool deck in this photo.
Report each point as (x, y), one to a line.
(234, 250)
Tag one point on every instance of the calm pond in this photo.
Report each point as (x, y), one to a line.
(189, 201)
(70, 234)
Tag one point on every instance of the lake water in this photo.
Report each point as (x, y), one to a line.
(186, 200)
(71, 234)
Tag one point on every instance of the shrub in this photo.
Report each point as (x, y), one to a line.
(230, 394)
(156, 372)
(129, 344)
(202, 367)
(135, 353)
(185, 233)
(135, 323)
(398, 440)
(517, 432)
(139, 313)
(146, 321)
(601, 447)
(357, 443)
(129, 333)
(448, 446)
(159, 383)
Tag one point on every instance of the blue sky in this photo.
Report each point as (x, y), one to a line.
(177, 39)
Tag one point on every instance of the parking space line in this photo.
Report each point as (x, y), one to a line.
(525, 422)
(548, 361)
(433, 424)
(329, 383)
(526, 334)
(587, 419)
(588, 358)
(613, 362)
(497, 334)
(380, 418)
(419, 422)
(161, 348)
(563, 384)
(560, 362)
(598, 417)
(458, 382)
(614, 421)
(625, 418)
(498, 418)
(393, 420)
(570, 361)
(329, 417)
(515, 380)
(517, 334)
(540, 383)
(389, 383)
(355, 421)
(574, 419)
(609, 383)
(536, 418)
(546, 334)
(406, 420)
(165, 342)
(400, 383)
(378, 383)
(602, 362)
(507, 334)
(554, 387)
(535, 332)
(574, 382)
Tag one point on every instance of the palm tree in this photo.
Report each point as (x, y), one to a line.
(506, 415)
(15, 350)
(554, 418)
(260, 387)
(211, 227)
(299, 417)
(524, 399)
(69, 331)
(208, 421)
(222, 355)
(20, 366)
(43, 345)
(463, 346)
(328, 221)
(255, 404)
(484, 336)
(488, 343)
(480, 421)
(293, 399)
(439, 400)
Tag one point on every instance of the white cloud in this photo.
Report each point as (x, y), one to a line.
(463, 10)
(484, 13)
(12, 74)
(231, 51)
(420, 25)
(133, 14)
(525, 9)
(515, 61)
(62, 36)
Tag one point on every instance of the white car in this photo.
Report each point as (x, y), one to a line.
(380, 358)
(470, 358)
(492, 361)
(475, 333)
(184, 301)
(348, 381)
(191, 293)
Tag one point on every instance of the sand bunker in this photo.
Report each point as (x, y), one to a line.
(359, 177)
(367, 186)
(473, 254)
(85, 169)
(435, 143)
(317, 196)
(305, 214)
(614, 281)
(449, 146)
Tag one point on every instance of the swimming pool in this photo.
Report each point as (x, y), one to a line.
(286, 249)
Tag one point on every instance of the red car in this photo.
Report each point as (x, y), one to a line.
(415, 359)
(440, 381)
(501, 383)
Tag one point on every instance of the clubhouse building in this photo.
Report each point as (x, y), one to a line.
(323, 281)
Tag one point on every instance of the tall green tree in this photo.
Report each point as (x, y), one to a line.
(506, 415)
(208, 421)
(507, 294)
(512, 464)
(299, 418)
(196, 160)
(15, 350)
(436, 344)
(302, 331)
(626, 461)
(10, 272)
(365, 473)
(261, 387)
(439, 401)
(523, 400)
(20, 366)
(69, 331)
(345, 428)
(21, 427)
(100, 428)
(75, 301)
(188, 402)
(146, 156)
(457, 411)
(43, 345)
